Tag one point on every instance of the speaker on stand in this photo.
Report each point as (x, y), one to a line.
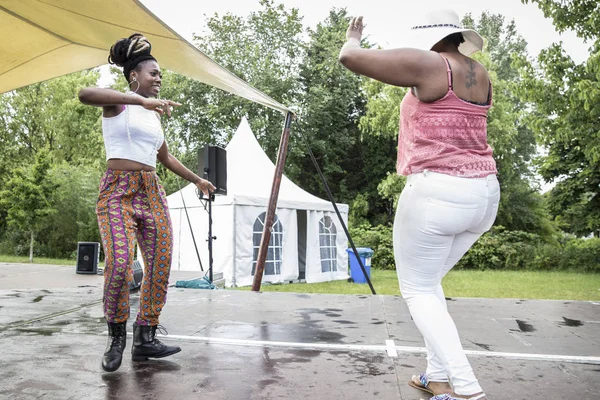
(212, 166)
(88, 255)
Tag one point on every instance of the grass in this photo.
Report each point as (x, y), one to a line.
(40, 260)
(462, 283)
(36, 260)
(459, 283)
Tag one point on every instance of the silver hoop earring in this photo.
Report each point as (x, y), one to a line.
(138, 85)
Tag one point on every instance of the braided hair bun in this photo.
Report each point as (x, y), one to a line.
(129, 52)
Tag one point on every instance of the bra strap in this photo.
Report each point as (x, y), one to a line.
(448, 71)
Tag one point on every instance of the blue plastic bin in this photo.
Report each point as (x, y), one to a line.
(356, 272)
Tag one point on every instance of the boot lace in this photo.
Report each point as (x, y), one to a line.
(161, 329)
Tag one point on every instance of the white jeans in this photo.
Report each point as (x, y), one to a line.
(438, 219)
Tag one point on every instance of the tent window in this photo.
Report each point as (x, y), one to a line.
(327, 244)
(275, 250)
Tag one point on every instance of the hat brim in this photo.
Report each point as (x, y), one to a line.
(425, 39)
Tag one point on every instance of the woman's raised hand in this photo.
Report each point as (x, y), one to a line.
(355, 29)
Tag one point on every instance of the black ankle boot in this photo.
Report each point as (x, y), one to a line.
(146, 345)
(117, 339)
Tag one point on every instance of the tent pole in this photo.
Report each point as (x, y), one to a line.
(266, 235)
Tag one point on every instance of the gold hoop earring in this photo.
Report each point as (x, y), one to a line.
(138, 85)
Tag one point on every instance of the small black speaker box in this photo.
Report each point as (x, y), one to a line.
(88, 254)
(138, 275)
(212, 166)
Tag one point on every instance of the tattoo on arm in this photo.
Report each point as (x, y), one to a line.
(471, 81)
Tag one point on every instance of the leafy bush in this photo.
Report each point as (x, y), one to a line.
(15, 242)
(378, 238)
(517, 250)
(501, 249)
(498, 249)
(582, 255)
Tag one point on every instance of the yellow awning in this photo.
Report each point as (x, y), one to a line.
(43, 39)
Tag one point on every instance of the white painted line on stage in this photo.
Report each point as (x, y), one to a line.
(391, 348)
(266, 343)
(536, 357)
(384, 349)
(520, 339)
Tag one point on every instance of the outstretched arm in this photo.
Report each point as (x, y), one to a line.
(399, 67)
(101, 97)
(110, 100)
(173, 164)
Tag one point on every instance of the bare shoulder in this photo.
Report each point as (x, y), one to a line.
(474, 65)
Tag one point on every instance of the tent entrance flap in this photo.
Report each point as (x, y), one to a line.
(301, 216)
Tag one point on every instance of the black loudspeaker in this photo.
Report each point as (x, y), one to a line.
(212, 166)
(88, 254)
(138, 274)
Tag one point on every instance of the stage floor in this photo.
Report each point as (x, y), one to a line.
(244, 345)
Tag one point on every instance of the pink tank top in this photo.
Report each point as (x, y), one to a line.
(448, 136)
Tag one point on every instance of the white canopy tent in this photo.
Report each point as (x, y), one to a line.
(307, 239)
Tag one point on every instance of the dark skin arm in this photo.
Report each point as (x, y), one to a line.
(399, 67)
(173, 164)
(110, 100)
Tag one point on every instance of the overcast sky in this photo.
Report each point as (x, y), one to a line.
(385, 19)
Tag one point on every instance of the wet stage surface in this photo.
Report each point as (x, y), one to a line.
(244, 345)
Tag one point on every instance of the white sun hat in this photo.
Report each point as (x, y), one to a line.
(433, 26)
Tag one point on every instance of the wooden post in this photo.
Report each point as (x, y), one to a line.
(266, 235)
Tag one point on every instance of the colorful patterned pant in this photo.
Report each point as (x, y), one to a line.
(133, 205)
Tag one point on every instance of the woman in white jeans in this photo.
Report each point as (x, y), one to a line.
(452, 194)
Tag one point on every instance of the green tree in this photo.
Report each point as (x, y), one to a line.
(521, 206)
(74, 202)
(265, 49)
(564, 99)
(389, 189)
(582, 16)
(331, 106)
(26, 197)
(48, 115)
(379, 127)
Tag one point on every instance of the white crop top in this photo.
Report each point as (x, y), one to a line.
(135, 134)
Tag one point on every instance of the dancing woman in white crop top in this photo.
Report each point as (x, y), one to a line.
(132, 204)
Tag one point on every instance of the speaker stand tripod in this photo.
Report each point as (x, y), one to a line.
(210, 239)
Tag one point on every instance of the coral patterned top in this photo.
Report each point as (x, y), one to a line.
(448, 136)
